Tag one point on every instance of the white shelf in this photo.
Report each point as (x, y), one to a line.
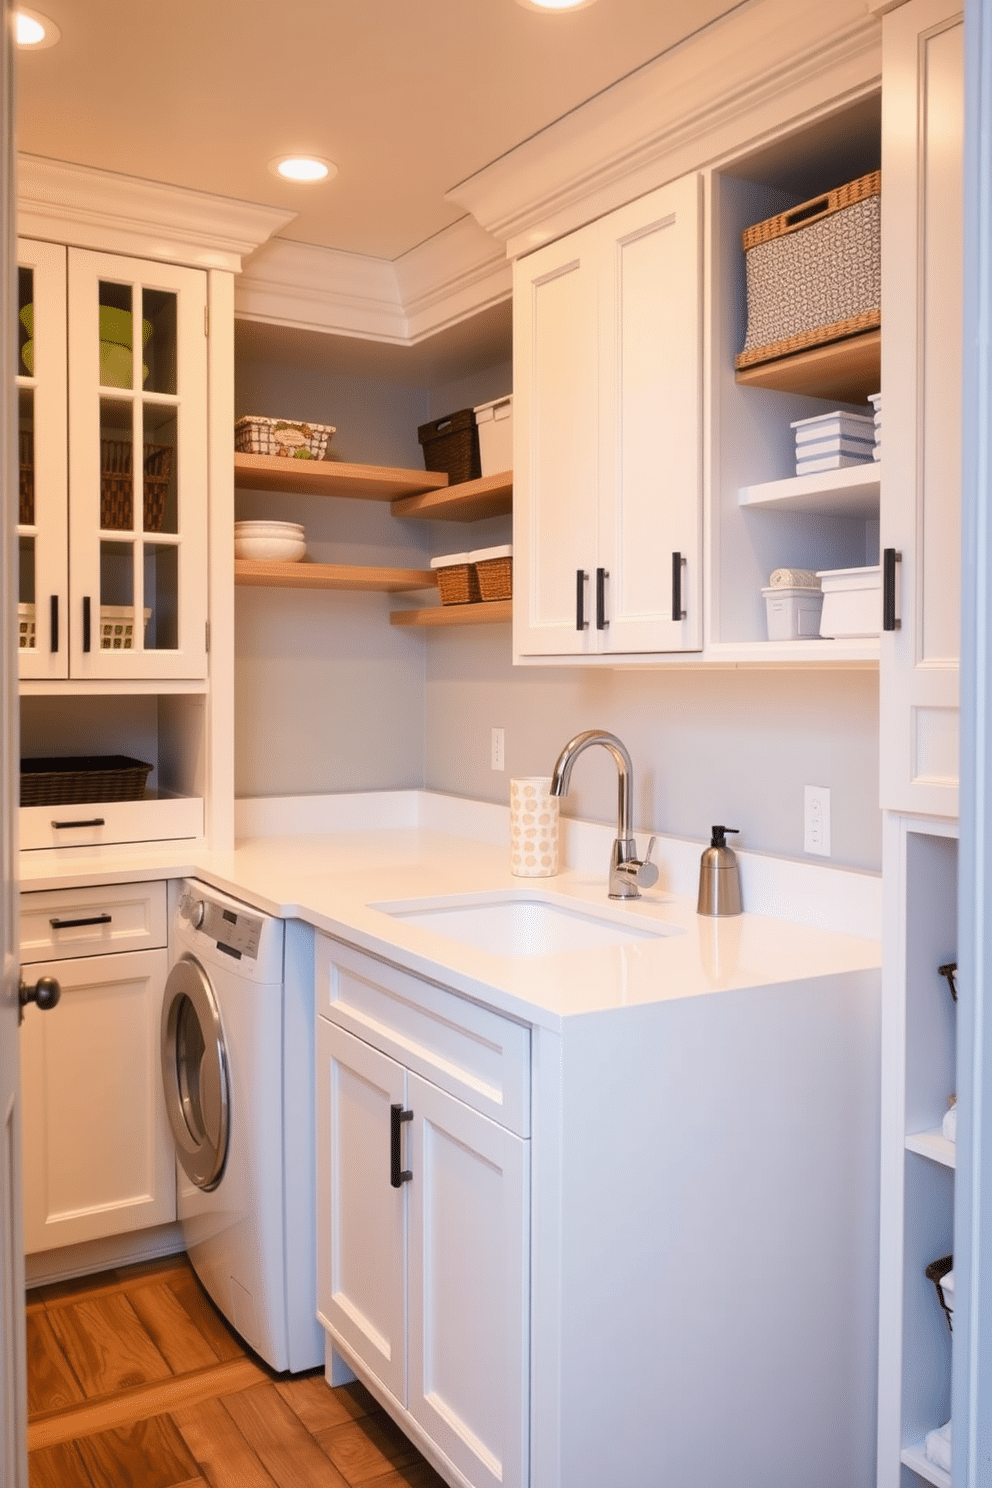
(851, 492)
(933, 1144)
(917, 1459)
(859, 652)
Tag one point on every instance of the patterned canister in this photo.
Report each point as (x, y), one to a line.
(533, 828)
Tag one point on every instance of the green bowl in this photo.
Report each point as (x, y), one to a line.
(115, 326)
(27, 356)
(117, 365)
(27, 319)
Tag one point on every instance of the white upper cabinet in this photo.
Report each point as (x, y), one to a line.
(113, 549)
(607, 434)
(922, 253)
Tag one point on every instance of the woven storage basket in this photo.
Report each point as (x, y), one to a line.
(25, 488)
(25, 627)
(451, 445)
(814, 274)
(254, 435)
(458, 584)
(495, 575)
(117, 485)
(116, 627)
(80, 778)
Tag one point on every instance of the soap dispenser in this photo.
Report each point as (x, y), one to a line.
(719, 877)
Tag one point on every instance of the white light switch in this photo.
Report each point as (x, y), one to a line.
(816, 819)
(497, 750)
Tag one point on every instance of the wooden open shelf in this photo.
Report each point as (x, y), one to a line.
(330, 576)
(492, 612)
(469, 501)
(332, 478)
(845, 371)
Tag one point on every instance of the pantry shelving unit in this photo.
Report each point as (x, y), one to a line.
(469, 501)
(490, 612)
(333, 478)
(271, 575)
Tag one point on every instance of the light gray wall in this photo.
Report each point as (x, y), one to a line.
(735, 747)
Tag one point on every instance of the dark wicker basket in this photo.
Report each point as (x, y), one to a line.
(25, 491)
(451, 445)
(117, 485)
(76, 779)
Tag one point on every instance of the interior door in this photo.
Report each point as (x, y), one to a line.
(13, 1381)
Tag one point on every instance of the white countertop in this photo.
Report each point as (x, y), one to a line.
(333, 879)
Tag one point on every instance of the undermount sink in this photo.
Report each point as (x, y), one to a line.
(508, 923)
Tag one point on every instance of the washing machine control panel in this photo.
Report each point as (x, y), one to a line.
(235, 931)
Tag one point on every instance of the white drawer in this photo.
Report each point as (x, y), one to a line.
(158, 819)
(475, 1054)
(58, 923)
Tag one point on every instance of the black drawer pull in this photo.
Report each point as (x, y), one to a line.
(54, 611)
(397, 1174)
(602, 575)
(678, 613)
(890, 620)
(581, 623)
(100, 919)
(94, 821)
(86, 622)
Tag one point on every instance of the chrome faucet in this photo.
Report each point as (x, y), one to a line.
(628, 875)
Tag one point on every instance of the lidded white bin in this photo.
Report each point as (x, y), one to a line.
(495, 421)
(533, 827)
(793, 614)
(852, 602)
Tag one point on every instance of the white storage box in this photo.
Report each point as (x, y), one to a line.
(793, 614)
(835, 425)
(495, 421)
(852, 602)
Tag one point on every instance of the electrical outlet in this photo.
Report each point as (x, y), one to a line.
(497, 755)
(816, 820)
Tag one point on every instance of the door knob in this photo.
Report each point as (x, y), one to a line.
(45, 992)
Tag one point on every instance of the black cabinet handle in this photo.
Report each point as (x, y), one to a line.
(44, 994)
(54, 612)
(602, 575)
(100, 919)
(93, 821)
(397, 1116)
(581, 623)
(86, 622)
(678, 613)
(890, 620)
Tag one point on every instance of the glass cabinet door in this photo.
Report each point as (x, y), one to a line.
(138, 468)
(42, 531)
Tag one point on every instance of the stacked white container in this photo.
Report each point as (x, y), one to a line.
(831, 441)
(875, 399)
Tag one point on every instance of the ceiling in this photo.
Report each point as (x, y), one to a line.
(407, 97)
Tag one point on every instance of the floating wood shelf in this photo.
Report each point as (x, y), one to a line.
(845, 371)
(332, 478)
(851, 492)
(490, 613)
(469, 501)
(330, 576)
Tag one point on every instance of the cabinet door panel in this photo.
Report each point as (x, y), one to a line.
(138, 468)
(650, 444)
(469, 1287)
(922, 235)
(98, 1159)
(361, 1250)
(555, 444)
(42, 526)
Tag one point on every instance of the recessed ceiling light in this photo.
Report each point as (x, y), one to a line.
(35, 32)
(555, 4)
(303, 168)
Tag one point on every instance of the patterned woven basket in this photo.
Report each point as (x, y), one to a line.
(254, 435)
(814, 273)
(117, 485)
(25, 489)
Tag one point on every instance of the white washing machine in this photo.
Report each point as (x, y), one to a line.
(237, 1070)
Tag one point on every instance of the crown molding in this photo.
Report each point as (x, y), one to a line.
(90, 208)
(453, 275)
(761, 66)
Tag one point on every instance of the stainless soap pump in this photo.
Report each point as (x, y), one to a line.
(719, 877)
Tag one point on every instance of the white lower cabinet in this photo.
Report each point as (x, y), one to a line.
(97, 1155)
(423, 1241)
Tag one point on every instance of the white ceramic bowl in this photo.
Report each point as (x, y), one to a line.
(268, 529)
(270, 549)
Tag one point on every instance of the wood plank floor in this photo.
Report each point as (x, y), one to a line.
(136, 1381)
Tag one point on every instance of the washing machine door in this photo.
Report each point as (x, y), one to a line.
(195, 1072)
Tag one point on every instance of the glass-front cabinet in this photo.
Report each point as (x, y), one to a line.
(113, 467)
